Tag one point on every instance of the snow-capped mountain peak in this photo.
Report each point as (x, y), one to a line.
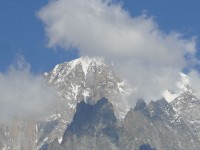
(88, 79)
(183, 85)
(82, 71)
(187, 105)
(62, 70)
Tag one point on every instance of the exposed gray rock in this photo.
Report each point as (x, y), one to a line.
(140, 105)
(18, 135)
(93, 127)
(187, 106)
(152, 127)
(158, 125)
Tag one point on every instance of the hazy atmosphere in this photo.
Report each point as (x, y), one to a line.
(23, 94)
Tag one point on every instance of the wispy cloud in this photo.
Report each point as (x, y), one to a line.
(24, 95)
(148, 57)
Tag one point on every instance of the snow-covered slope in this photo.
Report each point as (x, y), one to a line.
(182, 86)
(88, 79)
(186, 104)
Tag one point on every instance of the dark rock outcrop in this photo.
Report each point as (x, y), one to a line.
(158, 125)
(93, 127)
(149, 127)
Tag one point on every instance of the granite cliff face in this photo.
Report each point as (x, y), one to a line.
(150, 127)
(187, 106)
(93, 127)
(158, 125)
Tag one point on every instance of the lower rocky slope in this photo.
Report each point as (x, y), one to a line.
(155, 126)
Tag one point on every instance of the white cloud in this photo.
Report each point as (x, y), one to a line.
(194, 79)
(24, 95)
(148, 57)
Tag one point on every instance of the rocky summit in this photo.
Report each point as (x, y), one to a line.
(90, 114)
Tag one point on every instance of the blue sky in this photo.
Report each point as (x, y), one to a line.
(21, 32)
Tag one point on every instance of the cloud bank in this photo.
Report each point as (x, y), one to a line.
(149, 58)
(24, 95)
